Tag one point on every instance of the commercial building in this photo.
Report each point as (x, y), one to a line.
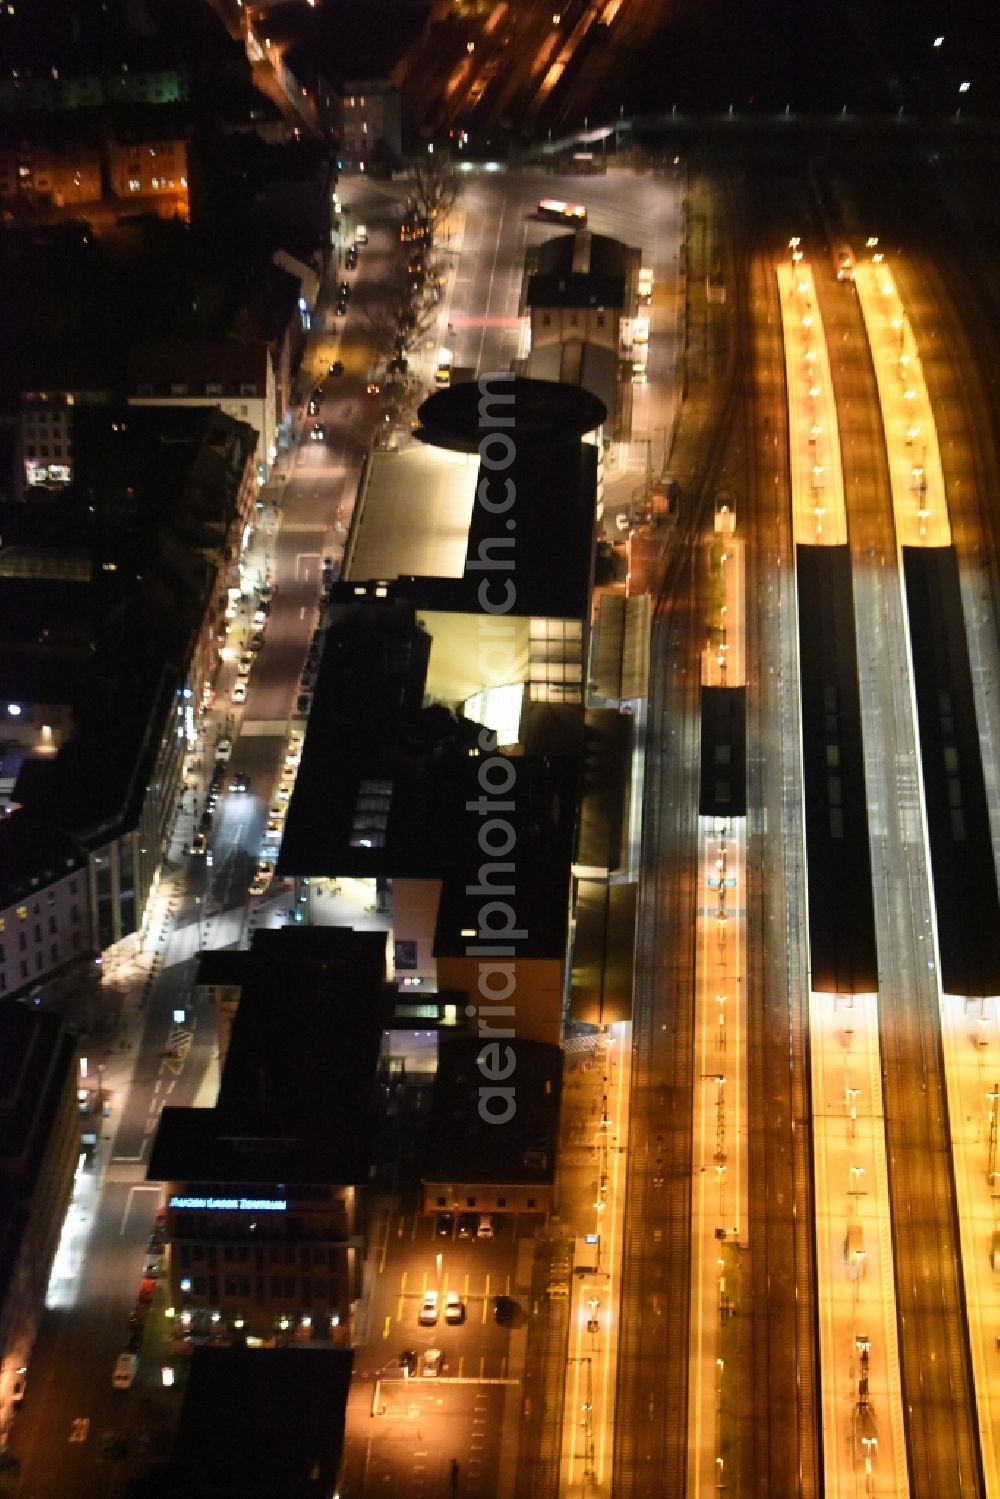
(241, 379)
(264, 1193)
(112, 633)
(370, 122)
(39, 171)
(493, 1135)
(428, 694)
(44, 903)
(582, 298)
(39, 1145)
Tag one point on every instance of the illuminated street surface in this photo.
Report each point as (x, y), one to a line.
(719, 1188)
(818, 515)
(863, 1434)
(918, 496)
(971, 1041)
(597, 1208)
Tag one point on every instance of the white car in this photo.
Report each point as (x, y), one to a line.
(430, 1364)
(454, 1307)
(123, 1376)
(428, 1313)
(223, 749)
(622, 521)
(239, 692)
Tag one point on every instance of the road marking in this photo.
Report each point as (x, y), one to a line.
(79, 1429)
(386, 1326)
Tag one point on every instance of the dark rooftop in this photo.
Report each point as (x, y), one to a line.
(596, 255)
(33, 854)
(464, 1147)
(577, 290)
(297, 1099)
(537, 413)
(263, 1423)
(397, 804)
(543, 542)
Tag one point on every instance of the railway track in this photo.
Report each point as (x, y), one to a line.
(651, 1458)
(779, 1368)
(935, 1364)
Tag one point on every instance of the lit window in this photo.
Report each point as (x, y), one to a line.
(22, 913)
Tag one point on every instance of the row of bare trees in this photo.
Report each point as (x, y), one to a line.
(398, 319)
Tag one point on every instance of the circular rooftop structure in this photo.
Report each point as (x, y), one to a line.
(537, 413)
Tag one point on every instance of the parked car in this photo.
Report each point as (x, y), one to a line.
(466, 1225)
(303, 702)
(257, 641)
(484, 1229)
(408, 1360)
(428, 1313)
(430, 1366)
(443, 1226)
(454, 1308)
(123, 1376)
(503, 1309)
(223, 749)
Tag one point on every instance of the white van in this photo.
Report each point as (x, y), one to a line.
(361, 234)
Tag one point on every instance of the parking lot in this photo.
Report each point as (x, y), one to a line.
(415, 1423)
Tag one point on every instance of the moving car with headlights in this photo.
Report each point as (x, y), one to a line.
(239, 692)
(562, 213)
(318, 433)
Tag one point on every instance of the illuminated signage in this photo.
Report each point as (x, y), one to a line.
(231, 1204)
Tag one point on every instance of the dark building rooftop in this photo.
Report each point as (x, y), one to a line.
(37, 1053)
(593, 255)
(33, 854)
(298, 1094)
(576, 289)
(396, 805)
(225, 362)
(536, 414)
(263, 1423)
(464, 1147)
